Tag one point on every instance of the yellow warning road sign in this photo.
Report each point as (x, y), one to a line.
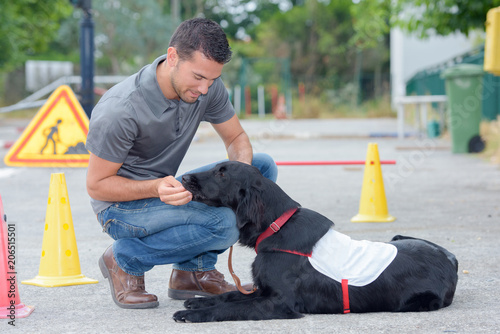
(55, 137)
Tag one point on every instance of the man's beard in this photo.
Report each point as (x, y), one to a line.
(184, 96)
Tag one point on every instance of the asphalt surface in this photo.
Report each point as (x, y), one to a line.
(450, 199)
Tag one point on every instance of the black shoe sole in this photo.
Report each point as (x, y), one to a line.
(186, 294)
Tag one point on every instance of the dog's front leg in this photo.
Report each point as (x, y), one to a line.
(253, 308)
(233, 296)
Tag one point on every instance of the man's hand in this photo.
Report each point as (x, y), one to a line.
(172, 192)
(104, 184)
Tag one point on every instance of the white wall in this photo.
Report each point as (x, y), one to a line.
(410, 55)
(40, 73)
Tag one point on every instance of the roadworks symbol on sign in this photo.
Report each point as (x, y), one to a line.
(55, 137)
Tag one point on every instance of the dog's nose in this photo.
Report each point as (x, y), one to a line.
(187, 178)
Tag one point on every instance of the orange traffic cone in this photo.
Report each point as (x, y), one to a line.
(373, 204)
(60, 263)
(10, 303)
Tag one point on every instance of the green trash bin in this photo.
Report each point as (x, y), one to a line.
(464, 88)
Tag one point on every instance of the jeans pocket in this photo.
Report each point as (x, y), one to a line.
(117, 229)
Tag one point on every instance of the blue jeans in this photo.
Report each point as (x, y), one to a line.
(149, 232)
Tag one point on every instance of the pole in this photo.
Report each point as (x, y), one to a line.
(261, 101)
(87, 59)
(237, 99)
(248, 102)
(176, 11)
(287, 86)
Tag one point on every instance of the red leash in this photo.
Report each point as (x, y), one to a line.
(273, 228)
(236, 279)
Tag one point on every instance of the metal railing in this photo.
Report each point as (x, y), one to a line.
(35, 99)
(421, 103)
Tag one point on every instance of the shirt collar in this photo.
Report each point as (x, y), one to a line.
(151, 91)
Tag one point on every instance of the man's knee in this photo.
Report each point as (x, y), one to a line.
(266, 164)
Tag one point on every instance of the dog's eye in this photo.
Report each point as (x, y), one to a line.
(221, 171)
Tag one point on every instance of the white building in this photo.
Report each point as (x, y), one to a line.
(410, 55)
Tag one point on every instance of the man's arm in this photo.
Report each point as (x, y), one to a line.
(104, 185)
(238, 145)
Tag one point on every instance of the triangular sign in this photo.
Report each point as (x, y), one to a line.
(55, 137)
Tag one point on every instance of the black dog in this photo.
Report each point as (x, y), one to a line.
(413, 275)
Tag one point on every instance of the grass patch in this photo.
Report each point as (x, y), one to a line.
(315, 107)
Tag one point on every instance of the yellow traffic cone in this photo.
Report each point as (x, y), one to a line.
(373, 204)
(59, 264)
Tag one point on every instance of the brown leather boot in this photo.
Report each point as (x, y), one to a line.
(189, 284)
(128, 291)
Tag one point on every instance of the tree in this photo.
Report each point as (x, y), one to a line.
(371, 22)
(27, 27)
(442, 17)
(240, 18)
(131, 33)
(315, 36)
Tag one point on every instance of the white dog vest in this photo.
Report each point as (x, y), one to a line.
(349, 262)
(359, 262)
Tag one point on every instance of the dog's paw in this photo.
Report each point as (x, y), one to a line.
(179, 316)
(190, 316)
(196, 303)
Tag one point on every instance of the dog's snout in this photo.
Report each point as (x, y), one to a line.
(188, 178)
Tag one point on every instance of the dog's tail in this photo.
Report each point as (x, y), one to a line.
(448, 254)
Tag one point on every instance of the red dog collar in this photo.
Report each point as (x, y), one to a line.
(275, 226)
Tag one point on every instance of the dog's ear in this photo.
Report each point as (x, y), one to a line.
(250, 208)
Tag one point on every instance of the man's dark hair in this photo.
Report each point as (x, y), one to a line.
(202, 35)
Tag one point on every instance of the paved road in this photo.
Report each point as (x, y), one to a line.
(452, 200)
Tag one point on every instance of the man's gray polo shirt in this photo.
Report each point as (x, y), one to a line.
(136, 125)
